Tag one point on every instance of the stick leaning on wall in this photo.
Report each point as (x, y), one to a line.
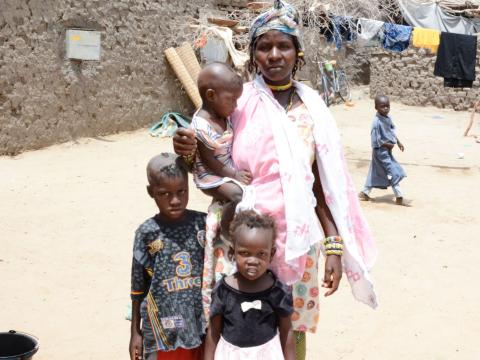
(189, 59)
(476, 107)
(184, 76)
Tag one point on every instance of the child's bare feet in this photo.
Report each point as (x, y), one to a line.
(363, 196)
(399, 200)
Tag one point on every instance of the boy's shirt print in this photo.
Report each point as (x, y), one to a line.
(183, 279)
(166, 277)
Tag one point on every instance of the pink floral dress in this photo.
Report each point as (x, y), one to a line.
(256, 152)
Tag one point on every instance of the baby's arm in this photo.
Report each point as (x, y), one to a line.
(286, 337)
(136, 338)
(213, 335)
(219, 168)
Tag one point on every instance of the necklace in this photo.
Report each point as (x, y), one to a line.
(288, 105)
(280, 87)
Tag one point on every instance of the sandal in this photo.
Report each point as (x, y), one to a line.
(363, 196)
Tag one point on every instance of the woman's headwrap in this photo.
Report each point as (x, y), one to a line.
(282, 17)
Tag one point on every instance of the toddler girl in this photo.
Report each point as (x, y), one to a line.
(251, 309)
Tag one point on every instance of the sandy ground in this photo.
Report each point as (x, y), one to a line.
(68, 214)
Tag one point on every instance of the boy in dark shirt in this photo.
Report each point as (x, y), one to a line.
(167, 268)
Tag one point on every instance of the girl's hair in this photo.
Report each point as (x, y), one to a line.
(252, 67)
(253, 220)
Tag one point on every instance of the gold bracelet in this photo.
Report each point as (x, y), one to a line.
(334, 252)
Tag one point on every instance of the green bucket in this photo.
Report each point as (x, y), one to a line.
(328, 66)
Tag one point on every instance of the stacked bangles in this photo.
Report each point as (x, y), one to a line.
(333, 245)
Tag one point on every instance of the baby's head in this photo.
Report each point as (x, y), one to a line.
(253, 236)
(382, 104)
(167, 176)
(219, 87)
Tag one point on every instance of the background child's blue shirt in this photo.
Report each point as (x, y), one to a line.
(383, 131)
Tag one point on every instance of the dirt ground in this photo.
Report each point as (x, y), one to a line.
(68, 213)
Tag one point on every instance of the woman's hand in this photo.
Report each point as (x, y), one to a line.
(333, 273)
(184, 142)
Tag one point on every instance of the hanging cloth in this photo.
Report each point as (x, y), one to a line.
(430, 15)
(456, 59)
(426, 39)
(396, 37)
(368, 31)
(341, 29)
(239, 58)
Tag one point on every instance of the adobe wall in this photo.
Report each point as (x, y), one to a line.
(46, 99)
(408, 77)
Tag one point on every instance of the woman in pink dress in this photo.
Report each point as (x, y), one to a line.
(286, 137)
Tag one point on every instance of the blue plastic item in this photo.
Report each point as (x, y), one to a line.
(168, 124)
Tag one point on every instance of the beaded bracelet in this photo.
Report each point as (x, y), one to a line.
(333, 245)
(333, 239)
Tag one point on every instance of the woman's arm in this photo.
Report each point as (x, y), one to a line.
(286, 337)
(333, 263)
(213, 335)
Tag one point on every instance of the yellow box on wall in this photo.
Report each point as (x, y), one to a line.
(83, 44)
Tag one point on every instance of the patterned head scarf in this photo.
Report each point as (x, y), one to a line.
(282, 17)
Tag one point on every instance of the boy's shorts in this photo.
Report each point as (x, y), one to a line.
(179, 354)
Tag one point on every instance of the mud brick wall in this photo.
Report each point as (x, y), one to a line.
(46, 98)
(408, 77)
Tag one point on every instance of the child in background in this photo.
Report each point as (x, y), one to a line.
(213, 169)
(251, 309)
(166, 270)
(384, 170)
